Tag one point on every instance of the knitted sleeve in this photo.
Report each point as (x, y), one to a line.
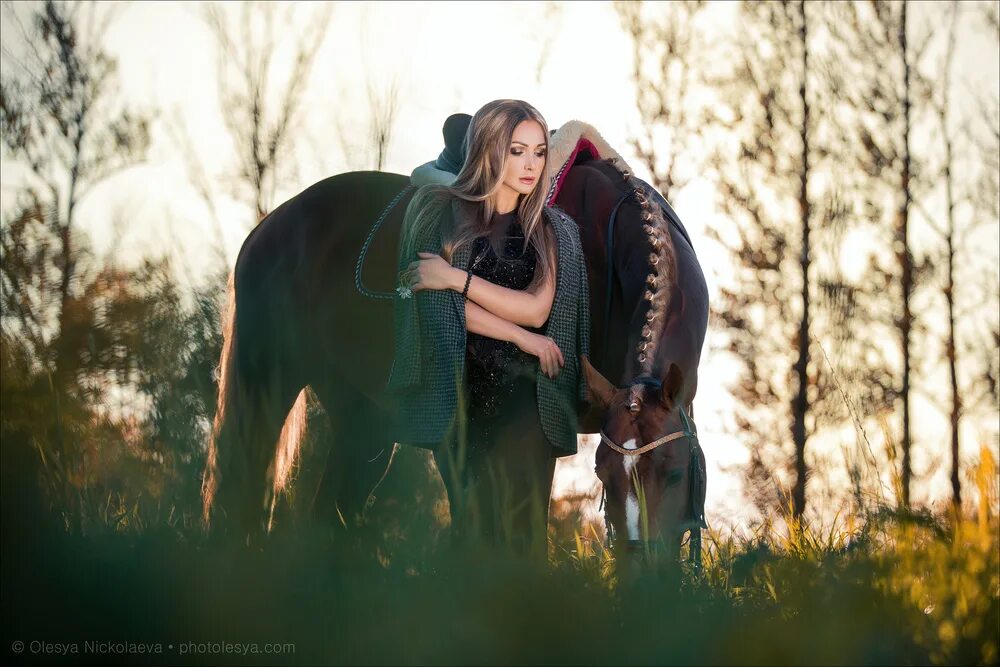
(406, 372)
(583, 322)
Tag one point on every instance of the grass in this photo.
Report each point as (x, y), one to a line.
(885, 587)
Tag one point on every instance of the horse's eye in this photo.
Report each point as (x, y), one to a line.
(675, 476)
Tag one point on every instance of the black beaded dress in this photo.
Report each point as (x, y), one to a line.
(505, 480)
(499, 375)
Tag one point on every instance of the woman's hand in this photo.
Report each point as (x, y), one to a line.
(431, 271)
(549, 355)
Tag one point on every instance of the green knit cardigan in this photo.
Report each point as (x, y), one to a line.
(428, 366)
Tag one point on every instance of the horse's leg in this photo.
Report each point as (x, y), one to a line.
(359, 452)
(453, 467)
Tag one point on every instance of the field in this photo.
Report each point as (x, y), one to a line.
(886, 587)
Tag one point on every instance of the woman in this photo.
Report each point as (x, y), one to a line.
(491, 317)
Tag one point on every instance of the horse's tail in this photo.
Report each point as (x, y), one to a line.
(225, 403)
(224, 438)
(293, 432)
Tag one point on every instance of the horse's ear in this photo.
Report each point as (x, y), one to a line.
(672, 386)
(599, 390)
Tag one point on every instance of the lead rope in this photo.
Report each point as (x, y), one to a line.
(694, 484)
(364, 248)
(609, 531)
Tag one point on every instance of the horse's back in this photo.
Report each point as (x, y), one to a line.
(295, 277)
(313, 239)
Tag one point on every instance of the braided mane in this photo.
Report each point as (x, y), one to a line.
(577, 136)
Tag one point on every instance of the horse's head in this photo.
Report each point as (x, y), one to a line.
(648, 460)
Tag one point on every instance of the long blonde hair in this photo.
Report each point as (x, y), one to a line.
(487, 148)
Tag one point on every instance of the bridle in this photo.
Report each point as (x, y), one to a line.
(696, 513)
(687, 427)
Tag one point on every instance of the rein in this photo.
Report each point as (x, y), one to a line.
(611, 269)
(669, 215)
(364, 248)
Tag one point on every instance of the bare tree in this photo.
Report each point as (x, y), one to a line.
(383, 119)
(668, 66)
(372, 150)
(979, 135)
(200, 180)
(884, 83)
(782, 185)
(543, 30)
(942, 101)
(261, 121)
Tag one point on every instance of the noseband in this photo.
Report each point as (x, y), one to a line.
(648, 446)
(687, 430)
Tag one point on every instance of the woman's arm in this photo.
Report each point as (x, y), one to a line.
(480, 321)
(529, 307)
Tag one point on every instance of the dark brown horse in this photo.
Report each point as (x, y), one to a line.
(649, 460)
(298, 319)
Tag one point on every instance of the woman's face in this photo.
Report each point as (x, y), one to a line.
(526, 159)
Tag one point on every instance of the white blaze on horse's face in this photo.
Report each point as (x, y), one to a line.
(631, 500)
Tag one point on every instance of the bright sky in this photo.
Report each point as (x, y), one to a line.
(445, 57)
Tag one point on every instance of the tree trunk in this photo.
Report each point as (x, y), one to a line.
(801, 405)
(906, 261)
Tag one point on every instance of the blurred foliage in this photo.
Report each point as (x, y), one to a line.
(882, 587)
(107, 370)
(118, 441)
(106, 395)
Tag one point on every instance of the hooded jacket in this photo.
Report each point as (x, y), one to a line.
(430, 334)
